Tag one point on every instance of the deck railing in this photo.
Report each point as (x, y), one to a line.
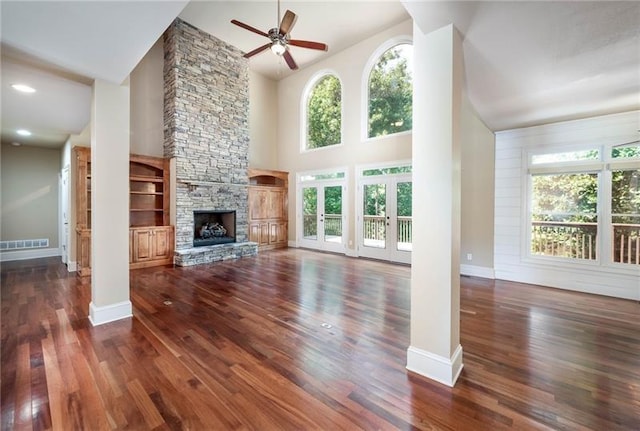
(626, 243)
(332, 225)
(374, 228)
(578, 240)
(564, 239)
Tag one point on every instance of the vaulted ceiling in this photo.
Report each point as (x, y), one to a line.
(526, 63)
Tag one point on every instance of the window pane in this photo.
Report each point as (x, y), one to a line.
(391, 92)
(387, 171)
(333, 214)
(375, 224)
(564, 215)
(629, 151)
(324, 113)
(315, 177)
(625, 217)
(572, 156)
(310, 213)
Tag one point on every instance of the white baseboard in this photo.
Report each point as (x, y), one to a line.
(435, 367)
(477, 271)
(351, 252)
(7, 256)
(109, 313)
(72, 266)
(292, 244)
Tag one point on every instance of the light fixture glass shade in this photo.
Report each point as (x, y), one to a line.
(278, 48)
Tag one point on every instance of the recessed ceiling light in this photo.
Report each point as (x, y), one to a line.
(23, 132)
(23, 88)
(16, 144)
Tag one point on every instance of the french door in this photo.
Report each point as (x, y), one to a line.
(384, 221)
(322, 224)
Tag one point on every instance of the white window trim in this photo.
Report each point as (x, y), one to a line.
(366, 73)
(317, 183)
(313, 81)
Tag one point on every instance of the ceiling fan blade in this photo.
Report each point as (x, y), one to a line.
(308, 44)
(248, 27)
(288, 21)
(289, 59)
(257, 50)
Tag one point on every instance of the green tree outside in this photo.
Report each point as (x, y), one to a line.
(324, 113)
(391, 93)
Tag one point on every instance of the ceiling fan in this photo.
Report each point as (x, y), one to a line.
(280, 38)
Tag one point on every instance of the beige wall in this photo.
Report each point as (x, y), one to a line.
(146, 84)
(263, 116)
(478, 155)
(29, 178)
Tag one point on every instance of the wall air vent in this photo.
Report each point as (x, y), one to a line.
(24, 244)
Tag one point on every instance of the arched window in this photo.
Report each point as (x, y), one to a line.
(390, 91)
(323, 112)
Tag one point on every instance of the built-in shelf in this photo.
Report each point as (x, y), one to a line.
(151, 239)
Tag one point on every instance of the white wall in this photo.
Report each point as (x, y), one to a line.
(263, 121)
(511, 251)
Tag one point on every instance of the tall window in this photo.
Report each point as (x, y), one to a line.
(391, 92)
(324, 113)
(625, 205)
(568, 191)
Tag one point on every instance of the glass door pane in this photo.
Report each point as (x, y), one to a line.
(333, 214)
(310, 213)
(403, 210)
(374, 224)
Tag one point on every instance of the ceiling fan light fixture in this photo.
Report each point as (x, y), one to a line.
(278, 48)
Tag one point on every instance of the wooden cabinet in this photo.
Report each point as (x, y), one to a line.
(268, 208)
(151, 246)
(151, 239)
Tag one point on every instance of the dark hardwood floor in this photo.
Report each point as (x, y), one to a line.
(299, 340)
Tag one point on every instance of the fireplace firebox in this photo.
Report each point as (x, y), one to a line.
(213, 227)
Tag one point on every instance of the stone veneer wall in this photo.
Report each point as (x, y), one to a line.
(206, 111)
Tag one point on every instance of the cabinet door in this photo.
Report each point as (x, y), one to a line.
(258, 203)
(264, 234)
(277, 199)
(254, 232)
(142, 245)
(161, 242)
(277, 233)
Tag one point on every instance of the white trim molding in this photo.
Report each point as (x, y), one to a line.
(7, 256)
(109, 313)
(435, 367)
(477, 271)
(72, 266)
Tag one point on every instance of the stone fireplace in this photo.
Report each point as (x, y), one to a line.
(206, 132)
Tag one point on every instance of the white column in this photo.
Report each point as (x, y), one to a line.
(435, 350)
(109, 203)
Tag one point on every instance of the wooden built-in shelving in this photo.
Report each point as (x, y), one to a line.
(151, 239)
